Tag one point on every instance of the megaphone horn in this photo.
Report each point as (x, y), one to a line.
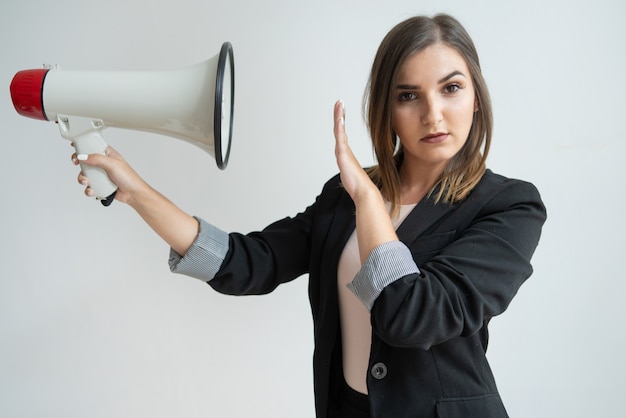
(194, 104)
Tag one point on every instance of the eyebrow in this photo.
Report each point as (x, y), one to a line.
(443, 80)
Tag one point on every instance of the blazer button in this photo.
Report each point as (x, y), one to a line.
(379, 371)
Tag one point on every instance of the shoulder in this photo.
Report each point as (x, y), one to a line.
(333, 184)
(331, 197)
(498, 181)
(332, 189)
(496, 191)
(493, 184)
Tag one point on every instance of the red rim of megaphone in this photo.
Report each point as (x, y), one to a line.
(27, 93)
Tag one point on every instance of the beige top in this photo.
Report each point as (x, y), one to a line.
(356, 330)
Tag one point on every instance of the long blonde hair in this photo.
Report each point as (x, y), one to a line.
(466, 168)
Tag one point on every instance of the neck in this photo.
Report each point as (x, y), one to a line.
(416, 181)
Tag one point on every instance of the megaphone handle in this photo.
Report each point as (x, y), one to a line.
(103, 188)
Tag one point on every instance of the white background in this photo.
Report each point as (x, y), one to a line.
(93, 324)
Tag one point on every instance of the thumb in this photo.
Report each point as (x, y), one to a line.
(96, 160)
(99, 160)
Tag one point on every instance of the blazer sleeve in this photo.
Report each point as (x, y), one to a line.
(258, 262)
(471, 279)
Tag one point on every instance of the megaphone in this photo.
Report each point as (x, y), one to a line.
(194, 104)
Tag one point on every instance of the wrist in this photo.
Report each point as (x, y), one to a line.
(368, 195)
(141, 196)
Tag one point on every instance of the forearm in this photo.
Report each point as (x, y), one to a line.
(373, 223)
(174, 226)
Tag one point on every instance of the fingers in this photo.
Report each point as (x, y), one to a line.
(341, 139)
(97, 160)
(340, 112)
(340, 121)
(345, 158)
(82, 179)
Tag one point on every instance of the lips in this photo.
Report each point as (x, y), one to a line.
(435, 138)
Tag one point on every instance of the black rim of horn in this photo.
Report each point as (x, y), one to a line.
(225, 53)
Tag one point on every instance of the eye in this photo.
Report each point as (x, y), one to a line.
(452, 88)
(407, 96)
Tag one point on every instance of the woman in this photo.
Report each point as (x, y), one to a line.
(407, 261)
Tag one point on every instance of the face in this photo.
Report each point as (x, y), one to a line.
(433, 108)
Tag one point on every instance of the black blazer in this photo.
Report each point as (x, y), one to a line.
(429, 329)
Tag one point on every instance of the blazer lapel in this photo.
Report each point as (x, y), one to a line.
(422, 218)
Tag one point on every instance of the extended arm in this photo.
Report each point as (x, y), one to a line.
(172, 224)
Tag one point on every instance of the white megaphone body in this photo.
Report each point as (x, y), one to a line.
(194, 104)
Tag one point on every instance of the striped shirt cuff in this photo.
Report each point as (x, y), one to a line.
(386, 264)
(204, 259)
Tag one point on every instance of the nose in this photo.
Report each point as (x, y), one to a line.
(432, 111)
